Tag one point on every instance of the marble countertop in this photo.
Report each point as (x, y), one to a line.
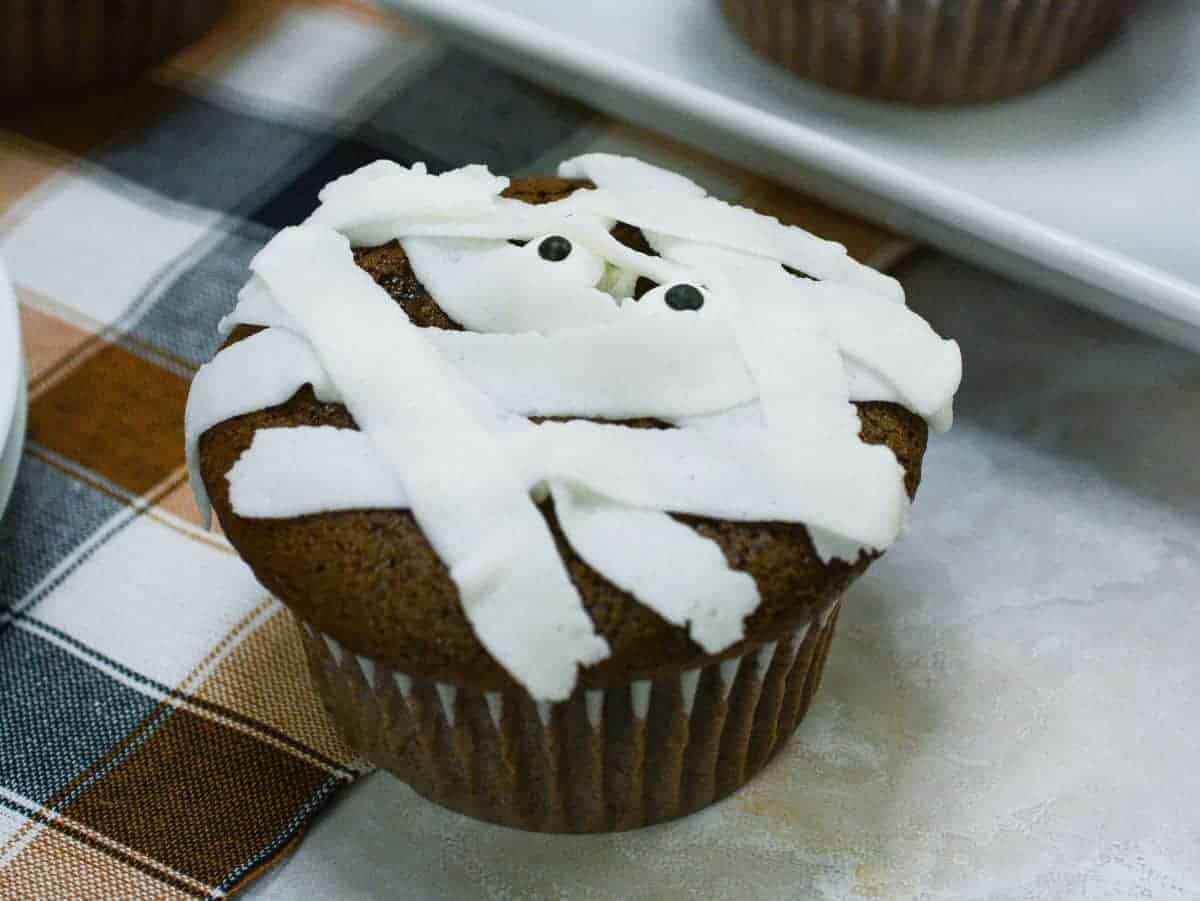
(1010, 707)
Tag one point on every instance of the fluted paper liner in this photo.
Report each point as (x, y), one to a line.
(59, 47)
(607, 759)
(927, 51)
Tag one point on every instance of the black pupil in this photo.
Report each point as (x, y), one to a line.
(684, 297)
(554, 248)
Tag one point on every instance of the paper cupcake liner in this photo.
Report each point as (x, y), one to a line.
(927, 51)
(607, 759)
(56, 46)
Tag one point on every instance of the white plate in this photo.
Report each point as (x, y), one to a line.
(10, 453)
(12, 390)
(1089, 188)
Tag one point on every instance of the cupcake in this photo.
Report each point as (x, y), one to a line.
(563, 477)
(927, 51)
(56, 48)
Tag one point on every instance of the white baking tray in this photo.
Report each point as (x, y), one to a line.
(1089, 188)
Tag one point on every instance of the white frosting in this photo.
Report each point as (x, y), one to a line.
(629, 174)
(672, 205)
(750, 475)
(495, 287)
(261, 371)
(705, 595)
(692, 359)
(683, 470)
(694, 368)
(365, 205)
(255, 306)
(879, 337)
(759, 382)
(292, 472)
(473, 509)
(870, 331)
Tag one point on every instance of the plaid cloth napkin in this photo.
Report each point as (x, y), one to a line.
(158, 735)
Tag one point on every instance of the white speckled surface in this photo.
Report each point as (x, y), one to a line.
(1010, 709)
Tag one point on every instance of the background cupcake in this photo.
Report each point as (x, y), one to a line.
(927, 51)
(55, 48)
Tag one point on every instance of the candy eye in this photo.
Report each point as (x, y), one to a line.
(554, 248)
(677, 297)
(684, 297)
(562, 261)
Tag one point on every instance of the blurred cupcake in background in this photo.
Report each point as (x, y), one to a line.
(927, 51)
(54, 48)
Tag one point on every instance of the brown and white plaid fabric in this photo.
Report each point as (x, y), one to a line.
(158, 733)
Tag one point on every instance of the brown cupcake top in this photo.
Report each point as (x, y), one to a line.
(927, 52)
(371, 579)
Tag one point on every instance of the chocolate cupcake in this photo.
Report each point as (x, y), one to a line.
(563, 478)
(927, 51)
(58, 48)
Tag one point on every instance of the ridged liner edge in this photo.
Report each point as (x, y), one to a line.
(55, 48)
(606, 759)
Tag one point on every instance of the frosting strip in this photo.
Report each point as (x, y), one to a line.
(473, 509)
(637, 550)
(261, 371)
(718, 473)
(756, 367)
